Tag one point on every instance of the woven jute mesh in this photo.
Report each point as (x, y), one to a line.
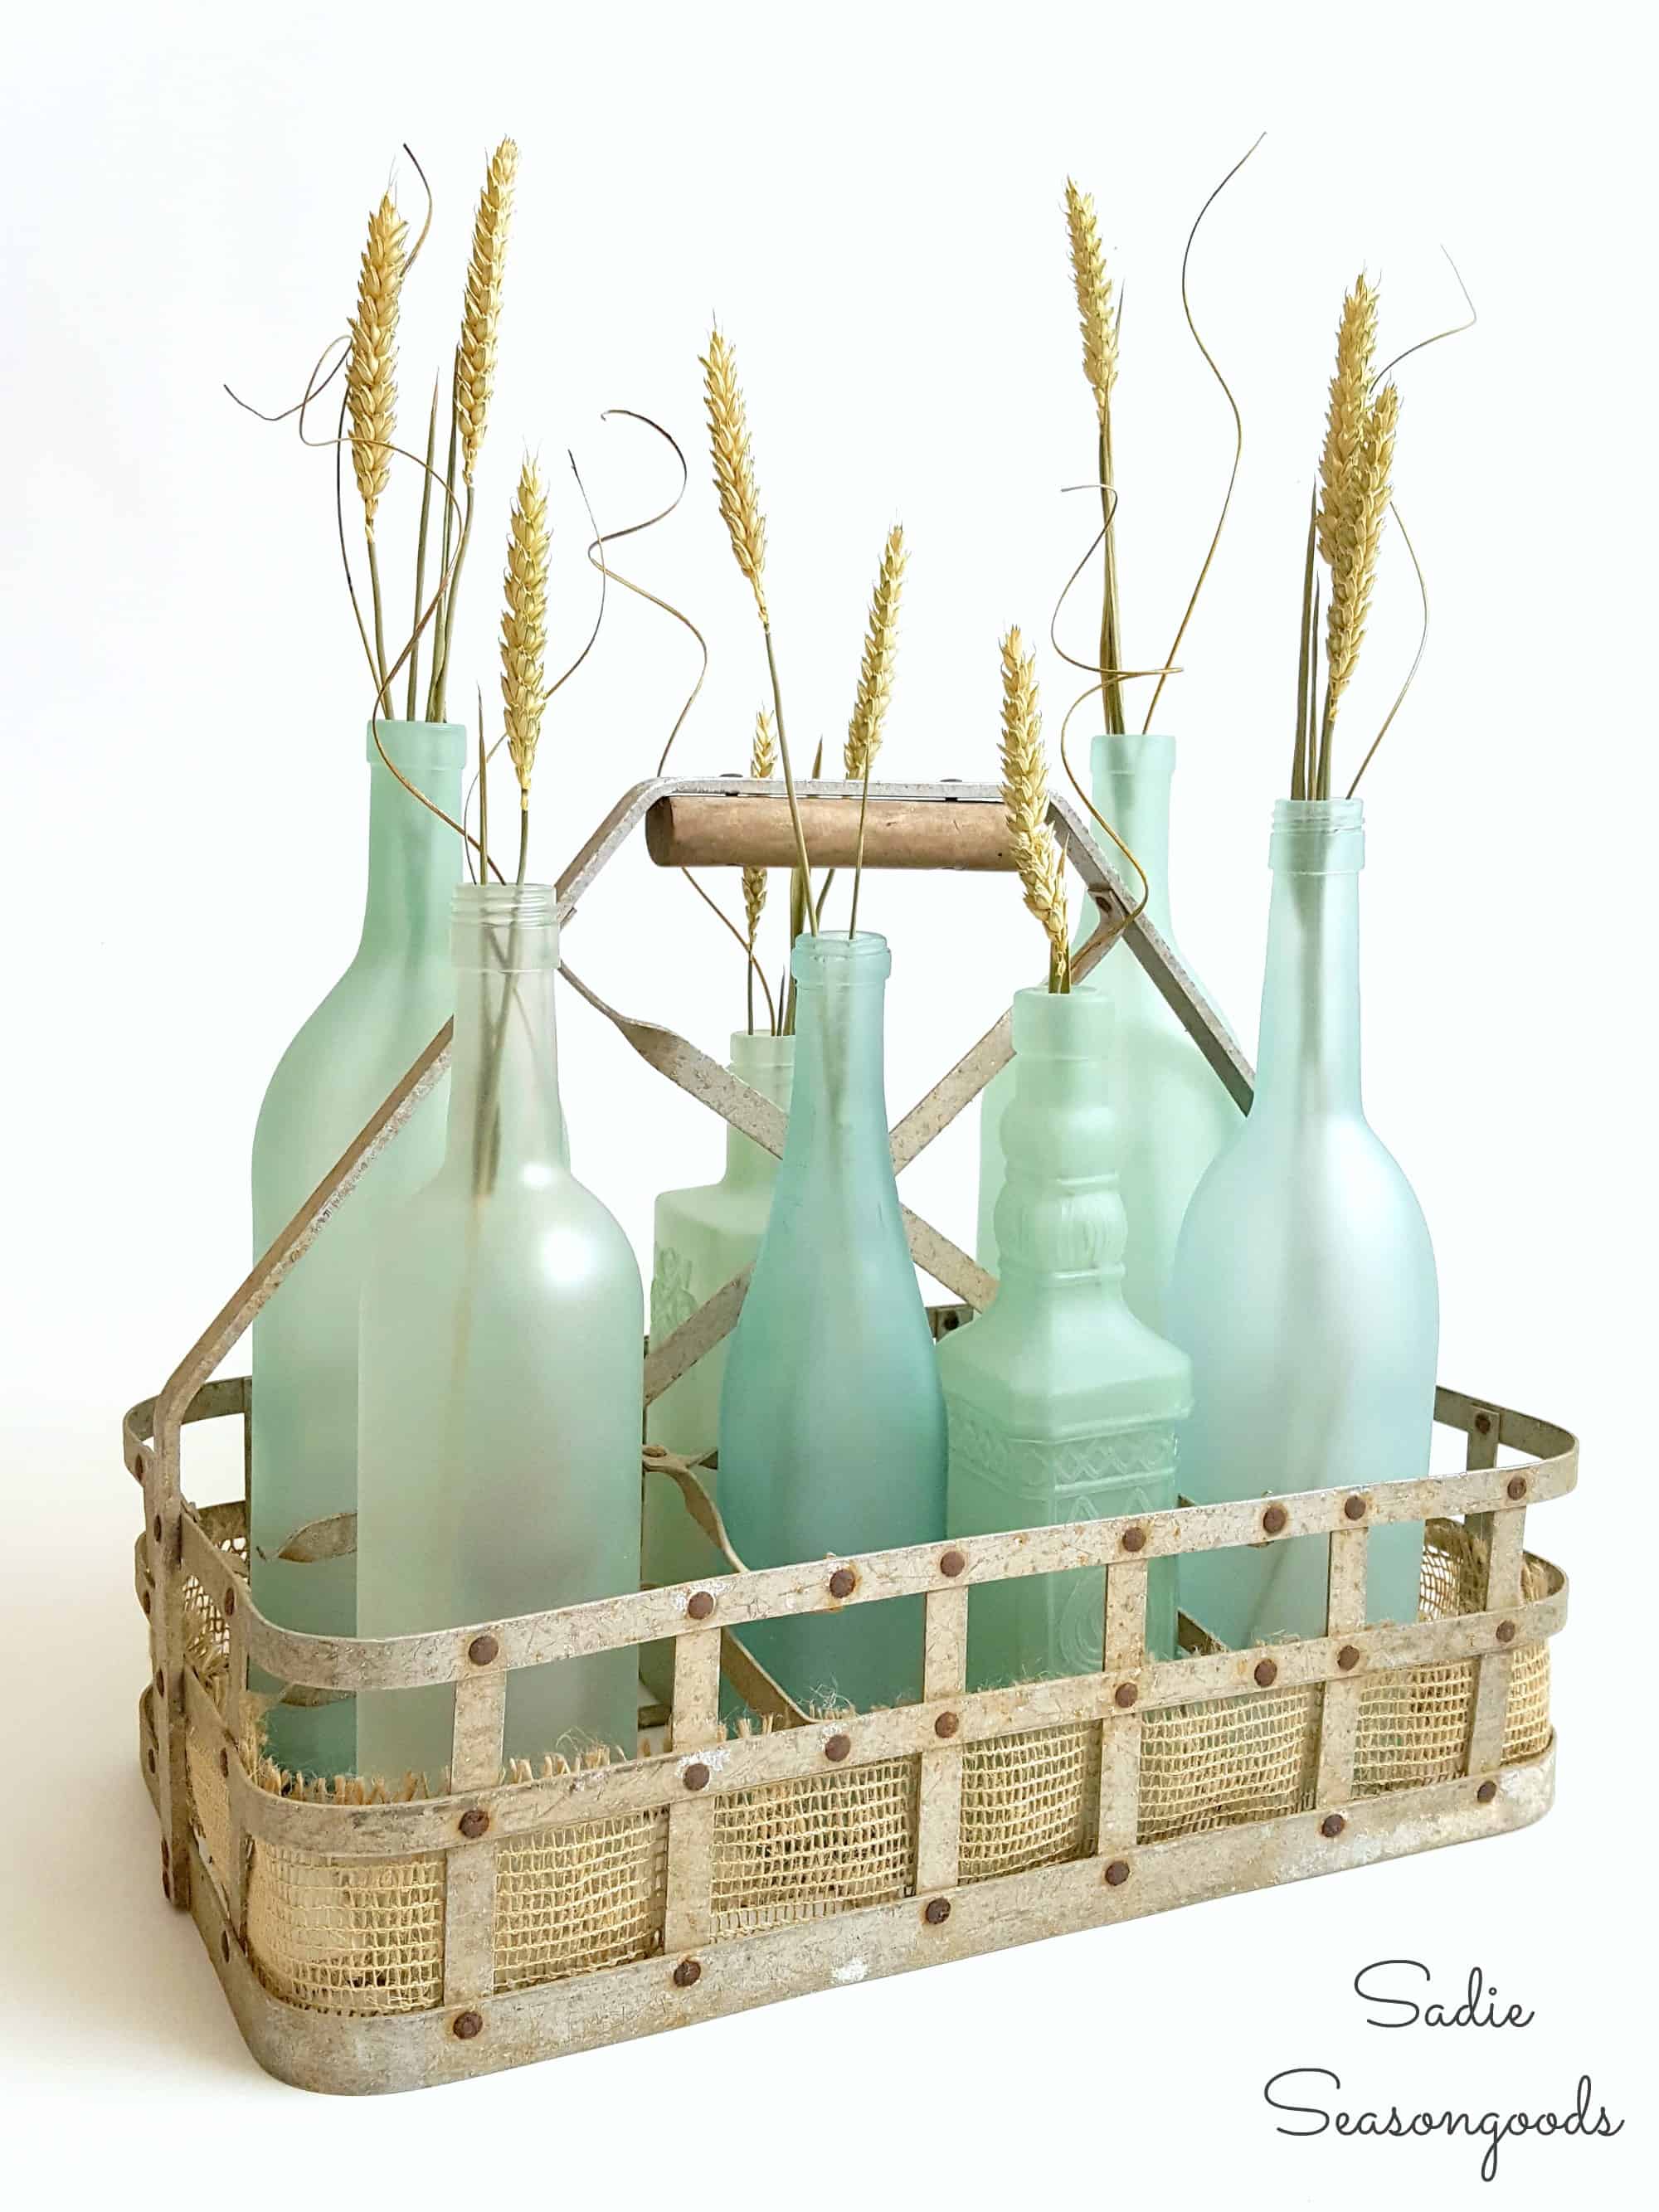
(367, 1936)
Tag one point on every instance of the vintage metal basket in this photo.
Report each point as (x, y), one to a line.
(366, 1942)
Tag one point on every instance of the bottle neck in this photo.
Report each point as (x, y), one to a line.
(1131, 779)
(1309, 1048)
(766, 1064)
(505, 1120)
(414, 859)
(1059, 1221)
(838, 1099)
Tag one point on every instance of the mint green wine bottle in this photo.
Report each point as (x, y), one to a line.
(1305, 1284)
(500, 1374)
(704, 1236)
(832, 1424)
(390, 1002)
(1170, 1113)
(1062, 1406)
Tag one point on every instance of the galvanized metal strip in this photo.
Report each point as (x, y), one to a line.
(164, 1534)
(346, 2056)
(938, 1805)
(237, 1846)
(1502, 1533)
(480, 1721)
(1123, 1653)
(1338, 1707)
(689, 1914)
(605, 1624)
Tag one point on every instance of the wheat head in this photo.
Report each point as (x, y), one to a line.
(481, 311)
(1350, 403)
(372, 357)
(734, 466)
(876, 672)
(1359, 532)
(1025, 796)
(1094, 298)
(762, 759)
(524, 624)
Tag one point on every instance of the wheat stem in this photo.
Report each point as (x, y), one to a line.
(420, 552)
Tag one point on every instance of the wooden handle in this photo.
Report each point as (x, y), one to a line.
(747, 829)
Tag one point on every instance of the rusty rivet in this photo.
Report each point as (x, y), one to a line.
(1124, 1696)
(138, 1466)
(473, 1823)
(947, 1724)
(467, 2025)
(837, 1748)
(1134, 1540)
(224, 1947)
(1332, 1825)
(230, 1603)
(167, 1889)
(481, 1651)
(1506, 1631)
(1354, 1508)
(144, 1600)
(224, 1764)
(155, 1528)
(1486, 1793)
(1483, 1424)
(687, 1971)
(1265, 1672)
(842, 1582)
(165, 1862)
(695, 1776)
(699, 1605)
(1347, 1657)
(1118, 1873)
(1274, 1519)
(161, 1683)
(936, 1911)
(151, 1755)
(952, 1564)
(1515, 1487)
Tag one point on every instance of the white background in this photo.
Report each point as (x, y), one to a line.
(870, 198)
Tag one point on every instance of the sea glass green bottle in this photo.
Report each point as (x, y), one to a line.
(390, 1002)
(832, 1423)
(1170, 1113)
(1305, 1284)
(704, 1236)
(1062, 1406)
(500, 1374)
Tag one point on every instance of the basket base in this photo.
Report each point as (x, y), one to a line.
(342, 2056)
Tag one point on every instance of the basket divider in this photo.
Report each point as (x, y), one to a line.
(1502, 1535)
(939, 1800)
(1123, 1653)
(238, 1845)
(470, 1863)
(164, 1536)
(689, 1914)
(1339, 1710)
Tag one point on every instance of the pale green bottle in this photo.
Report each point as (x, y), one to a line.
(703, 1236)
(1170, 1113)
(390, 1002)
(1062, 1406)
(1304, 1282)
(502, 1375)
(832, 1423)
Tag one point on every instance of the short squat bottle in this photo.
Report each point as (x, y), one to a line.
(1062, 1405)
(386, 1009)
(1305, 1281)
(832, 1424)
(502, 1325)
(704, 1236)
(1170, 1113)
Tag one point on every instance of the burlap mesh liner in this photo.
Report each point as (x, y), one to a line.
(365, 1936)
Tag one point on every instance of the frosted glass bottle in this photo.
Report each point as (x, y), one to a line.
(1305, 1284)
(390, 1002)
(704, 1236)
(832, 1423)
(502, 1382)
(1062, 1406)
(1170, 1114)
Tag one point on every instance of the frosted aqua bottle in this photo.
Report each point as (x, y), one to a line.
(832, 1424)
(501, 1377)
(1304, 1282)
(703, 1236)
(1170, 1112)
(386, 1009)
(1061, 1405)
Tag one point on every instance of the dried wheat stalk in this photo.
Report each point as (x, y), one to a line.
(876, 672)
(1345, 420)
(1359, 533)
(1096, 313)
(523, 626)
(372, 359)
(734, 466)
(1025, 796)
(762, 759)
(475, 364)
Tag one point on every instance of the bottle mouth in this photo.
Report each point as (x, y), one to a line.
(1052, 1026)
(413, 746)
(1318, 836)
(760, 1052)
(505, 928)
(832, 958)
